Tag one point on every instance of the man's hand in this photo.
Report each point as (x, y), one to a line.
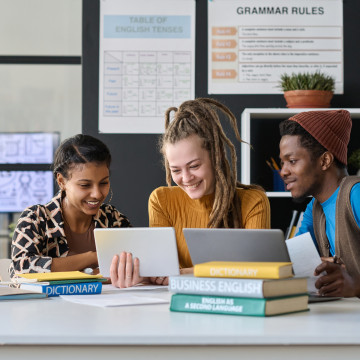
(336, 282)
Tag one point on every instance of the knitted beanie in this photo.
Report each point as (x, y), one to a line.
(330, 128)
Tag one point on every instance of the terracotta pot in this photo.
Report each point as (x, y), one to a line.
(308, 98)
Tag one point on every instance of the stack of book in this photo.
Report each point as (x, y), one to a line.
(62, 283)
(239, 288)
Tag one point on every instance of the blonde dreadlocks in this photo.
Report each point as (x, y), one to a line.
(200, 117)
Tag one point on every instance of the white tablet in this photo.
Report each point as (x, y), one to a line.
(155, 248)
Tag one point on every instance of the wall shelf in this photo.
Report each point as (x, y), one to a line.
(286, 194)
(259, 127)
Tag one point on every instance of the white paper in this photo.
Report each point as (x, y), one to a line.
(304, 257)
(140, 287)
(146, 62)
(111, 299)
(252, 42)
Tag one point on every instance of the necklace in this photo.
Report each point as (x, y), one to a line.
(69, 227)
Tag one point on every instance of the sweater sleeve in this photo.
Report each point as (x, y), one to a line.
(255, 209)
(28, 244)
(158, 216)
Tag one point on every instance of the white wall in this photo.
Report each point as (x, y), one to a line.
(40, 97)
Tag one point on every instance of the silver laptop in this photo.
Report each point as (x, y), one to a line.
(155, 248)
(236, 245)
(240, 245)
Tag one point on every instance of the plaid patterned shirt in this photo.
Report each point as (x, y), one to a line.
(39, 235)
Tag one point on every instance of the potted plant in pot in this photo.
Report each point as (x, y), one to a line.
(354, 160)
(307, 90)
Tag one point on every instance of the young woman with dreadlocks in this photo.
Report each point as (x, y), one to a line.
(207, 195)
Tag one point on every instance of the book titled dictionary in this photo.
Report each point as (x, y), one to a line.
(233, 269)
(238, 306)
(63, 288)
(256, 288)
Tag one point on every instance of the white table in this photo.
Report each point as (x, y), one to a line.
(56, 329)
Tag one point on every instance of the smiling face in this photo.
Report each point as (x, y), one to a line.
(86, 188)
(190, 166)
(302, 175)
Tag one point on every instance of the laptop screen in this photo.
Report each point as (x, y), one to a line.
(236, 245)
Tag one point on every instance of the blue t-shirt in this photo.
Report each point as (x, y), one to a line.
(329, 208)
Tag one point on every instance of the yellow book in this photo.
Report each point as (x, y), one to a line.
(229, 269)
(60, 275)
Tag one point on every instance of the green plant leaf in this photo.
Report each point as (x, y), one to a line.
(354, 159)
(307, 81)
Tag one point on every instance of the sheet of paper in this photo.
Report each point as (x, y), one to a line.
(146, 62)
(116, 299)
(305, 258)
(140, 287)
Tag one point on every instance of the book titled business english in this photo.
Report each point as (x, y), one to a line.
(72, 288)
(240, 269)
(255, 288)
(238, 306)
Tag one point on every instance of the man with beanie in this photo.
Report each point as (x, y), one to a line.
(313, 154)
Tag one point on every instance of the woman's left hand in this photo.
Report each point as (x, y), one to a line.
(187, 271)
(160, 280)
(165, 280)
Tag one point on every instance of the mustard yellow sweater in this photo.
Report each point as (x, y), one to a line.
(172, 207)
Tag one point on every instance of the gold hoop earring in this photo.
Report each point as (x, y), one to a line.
(111, 196)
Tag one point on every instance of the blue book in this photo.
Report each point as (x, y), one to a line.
(85, 288)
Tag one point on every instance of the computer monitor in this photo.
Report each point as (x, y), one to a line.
(28, 148)
(20, 189)
(25, 169)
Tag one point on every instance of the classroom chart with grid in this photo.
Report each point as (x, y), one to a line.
(145, 83)
(146, 63)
